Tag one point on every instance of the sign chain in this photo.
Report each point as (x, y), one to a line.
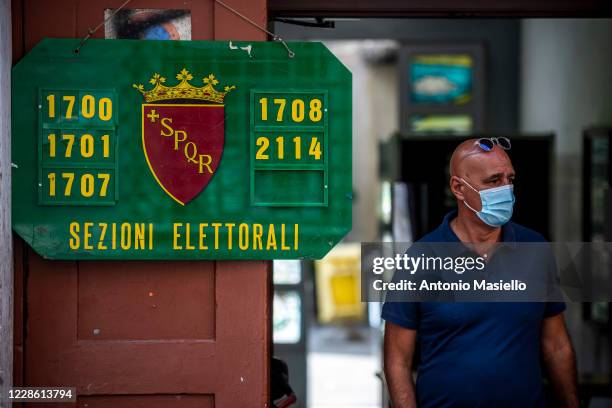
(275, 37)
(248, 20)
(91, 32)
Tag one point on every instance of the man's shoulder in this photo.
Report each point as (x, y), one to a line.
(519, 233)
(524, 234)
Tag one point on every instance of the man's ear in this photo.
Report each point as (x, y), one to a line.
(456, 187)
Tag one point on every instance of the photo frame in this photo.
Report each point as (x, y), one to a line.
(442, 88)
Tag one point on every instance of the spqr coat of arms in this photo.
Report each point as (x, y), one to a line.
(183, 133)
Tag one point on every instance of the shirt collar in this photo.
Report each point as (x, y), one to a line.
(447, 232)
(508, 231)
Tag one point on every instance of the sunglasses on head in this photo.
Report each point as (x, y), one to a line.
(488, 143)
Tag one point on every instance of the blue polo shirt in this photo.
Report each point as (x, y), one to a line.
(477, 354)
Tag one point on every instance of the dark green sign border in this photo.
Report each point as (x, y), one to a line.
(117, 65)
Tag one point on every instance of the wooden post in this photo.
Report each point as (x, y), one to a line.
(6, 243)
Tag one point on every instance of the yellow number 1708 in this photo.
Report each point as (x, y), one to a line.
(298, 108)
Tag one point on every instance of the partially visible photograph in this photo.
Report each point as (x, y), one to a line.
(455, 124)
(441, 78)
(148, 24)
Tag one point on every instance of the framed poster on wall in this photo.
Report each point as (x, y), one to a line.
(442, 88)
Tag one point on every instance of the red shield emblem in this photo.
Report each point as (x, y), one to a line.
(183, 131)
(183, 145)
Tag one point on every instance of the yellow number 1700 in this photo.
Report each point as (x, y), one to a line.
(88, 107)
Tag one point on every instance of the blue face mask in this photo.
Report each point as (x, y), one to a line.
(497, 204)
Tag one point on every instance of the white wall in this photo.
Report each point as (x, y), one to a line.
(566, 86)
(375, 110)
(6, 250)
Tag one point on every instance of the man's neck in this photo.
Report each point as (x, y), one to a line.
(470, 229)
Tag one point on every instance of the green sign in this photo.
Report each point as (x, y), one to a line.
(181, 150)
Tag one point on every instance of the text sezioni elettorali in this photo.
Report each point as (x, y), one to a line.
(103, 236)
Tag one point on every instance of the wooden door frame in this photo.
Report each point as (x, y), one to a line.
(14, 251)
(438, 8)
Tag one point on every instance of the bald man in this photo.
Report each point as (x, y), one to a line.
(477, 354)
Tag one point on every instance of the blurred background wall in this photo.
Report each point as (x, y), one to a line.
(368, 47)
(546, 79)
(566, 86)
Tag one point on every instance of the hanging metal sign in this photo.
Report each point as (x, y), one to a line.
(181, 150)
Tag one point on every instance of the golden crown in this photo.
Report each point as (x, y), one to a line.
(184, 90)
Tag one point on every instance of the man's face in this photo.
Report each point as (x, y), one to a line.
(482, 170)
